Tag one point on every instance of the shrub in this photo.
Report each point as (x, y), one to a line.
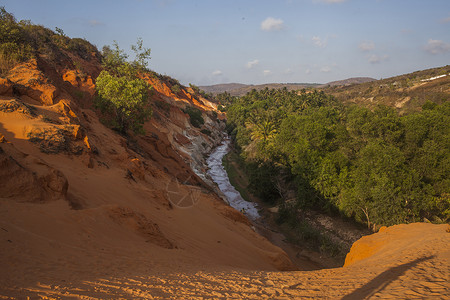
(82, 48)
(121, 93)
(195, 116)
(175, 89)
(126, 99)
(13, 46)
(195, 88)
(164, 106)
(11, 54)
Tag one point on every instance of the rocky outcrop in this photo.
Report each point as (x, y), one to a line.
(29, 179)
(6, 87)
(17, 106)
(30, 81)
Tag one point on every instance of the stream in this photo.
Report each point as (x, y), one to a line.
(303, 259)
(220, 177)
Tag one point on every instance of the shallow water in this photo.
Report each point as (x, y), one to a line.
(220, 177)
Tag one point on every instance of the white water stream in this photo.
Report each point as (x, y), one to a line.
(220, 177)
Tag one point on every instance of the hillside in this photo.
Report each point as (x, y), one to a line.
(89, 212)
(238, 89)
(350, 81)
(221, 88)
(406, 92)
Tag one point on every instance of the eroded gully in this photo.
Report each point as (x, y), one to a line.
(303, 259)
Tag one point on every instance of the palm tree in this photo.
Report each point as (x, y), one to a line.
(262, 126)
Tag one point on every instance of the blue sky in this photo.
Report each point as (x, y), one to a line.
(259, 41)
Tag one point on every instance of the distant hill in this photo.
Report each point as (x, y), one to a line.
(350, 81)
(238, 89)
(220, 88)
(406, 92)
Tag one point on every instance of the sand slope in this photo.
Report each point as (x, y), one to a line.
(414, 272)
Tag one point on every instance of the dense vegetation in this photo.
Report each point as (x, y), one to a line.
(20, 41)
(375, 166)
(122, 94)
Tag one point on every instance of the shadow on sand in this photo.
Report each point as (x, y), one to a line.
(381, 281)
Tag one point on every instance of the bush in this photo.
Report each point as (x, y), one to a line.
(13, 46)
(82, 48)
(11, 54)
(121, 93)
(20, 41)
(195, 116)
(175, 89)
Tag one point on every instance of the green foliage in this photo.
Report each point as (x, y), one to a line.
(303, 233)
(195, 88)
(82, 48)
(195, 116)
(377, 166)
(164, 106)
(429, 105)
(142, 54)
(224, 100)
(175, 89)
(261, 180)
(10, 30)
(198, 91)
(113, 58)
(232, 162)
(125, 98)
(13, 46)
(20, 41)
(122, 95)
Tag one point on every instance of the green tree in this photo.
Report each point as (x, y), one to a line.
(379, 184)
(122, 94)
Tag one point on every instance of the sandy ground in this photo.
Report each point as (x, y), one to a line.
(412, 262)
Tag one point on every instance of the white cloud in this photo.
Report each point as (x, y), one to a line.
(95, 23)
(330, 1)
(288, 71)
(322, 42)
(437, 47)
(217, 73)
(366, 46)
(272, 24)
(308, 71)
(252, 64)
(325, 69)
(376, 59)
(319, 42)
(267, 72)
